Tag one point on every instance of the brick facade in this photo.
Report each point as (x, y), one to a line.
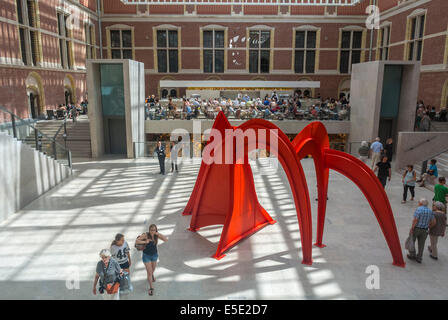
(236, 20)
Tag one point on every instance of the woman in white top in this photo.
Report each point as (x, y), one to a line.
(409, 179)
(120, 252)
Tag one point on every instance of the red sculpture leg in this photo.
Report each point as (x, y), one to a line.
(372, 189)
(313, 140)
(296, 177)
(221, 123)
(247, 216)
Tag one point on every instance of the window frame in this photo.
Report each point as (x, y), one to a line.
(167, 48)
(121, 48)
(213, 48)
(412, 40)
(305, 49)
(30, 52)
(350, 49)
(259, 49)
(382, 44)
(90, 39)
(64, 40)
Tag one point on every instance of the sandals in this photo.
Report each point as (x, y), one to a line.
(151, 291)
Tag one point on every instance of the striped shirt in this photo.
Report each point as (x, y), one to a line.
(424, 216)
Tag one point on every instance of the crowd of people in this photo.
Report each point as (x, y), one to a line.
(113, 270)
(71, 111)
(424, 115)
(426, 221)
(273, 107)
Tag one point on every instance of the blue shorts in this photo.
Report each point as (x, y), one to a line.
(149, 258)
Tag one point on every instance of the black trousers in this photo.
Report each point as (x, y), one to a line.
(174, 164)
(383, 180)
(405, 191)
(162, 164)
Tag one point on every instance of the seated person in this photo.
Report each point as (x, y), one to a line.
(430, 175)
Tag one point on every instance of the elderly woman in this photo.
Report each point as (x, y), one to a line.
(438, 230)
(364, 151)
(107, 271)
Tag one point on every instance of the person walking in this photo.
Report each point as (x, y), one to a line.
(438, 230)
(384, 171)
(441, 192)
(173, 156)
(160, 150)
(364, 151)
(388, 149)
(423, 220)
(150, 254)
(107, 271)
(121, 252)
(409, 178)
(376, 149)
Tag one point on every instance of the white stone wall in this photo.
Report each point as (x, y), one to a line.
(25, 174)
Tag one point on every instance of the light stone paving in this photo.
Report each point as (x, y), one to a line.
(58, 237)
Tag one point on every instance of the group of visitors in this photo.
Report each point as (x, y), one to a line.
(381, 158)
(245, 107)
(71, 111)
(113, 270)
(425, 114)
(427, 222)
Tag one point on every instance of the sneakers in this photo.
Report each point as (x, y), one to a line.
(403, 201)
(435, 258)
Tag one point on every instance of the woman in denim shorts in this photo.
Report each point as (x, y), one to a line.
(150, 255)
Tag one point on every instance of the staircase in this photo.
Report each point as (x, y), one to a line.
(442, 167)
(78, 137)
(439, 126)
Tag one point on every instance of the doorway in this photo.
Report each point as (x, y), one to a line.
(33, 101)
(117, 136)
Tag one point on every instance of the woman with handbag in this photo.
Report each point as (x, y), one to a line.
(108, 271)
(147, 242)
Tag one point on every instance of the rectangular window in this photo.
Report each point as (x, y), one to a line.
(19, 11)
(121, 44)
(64, 41)
(415, 41)
(28, 38)
(351, 47)
(384, 43)
(167, 51)
(23, 46)
(259, 51)
(305, 51)
(213, 51)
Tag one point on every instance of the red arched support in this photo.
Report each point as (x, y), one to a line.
(368, 183)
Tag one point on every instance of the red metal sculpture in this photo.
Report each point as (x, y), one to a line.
(225, 193)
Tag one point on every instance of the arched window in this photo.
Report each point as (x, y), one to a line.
(164, 93)
(173, 93)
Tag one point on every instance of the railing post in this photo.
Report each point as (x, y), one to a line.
(69, 159)
(14, 131)
(36, 139)
(424, 166)
(54, 150)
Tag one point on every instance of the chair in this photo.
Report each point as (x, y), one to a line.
(50, 114)
(60, 114)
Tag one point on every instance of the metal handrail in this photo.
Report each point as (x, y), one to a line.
(38, 135)
(421, 143)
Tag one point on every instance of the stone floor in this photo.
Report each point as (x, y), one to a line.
(54, 242)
